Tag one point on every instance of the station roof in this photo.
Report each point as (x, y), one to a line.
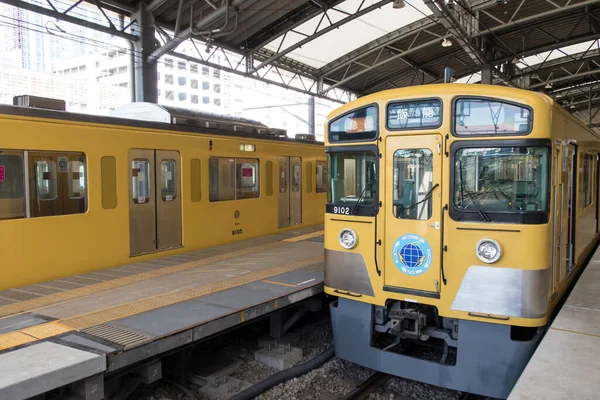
(364, 46)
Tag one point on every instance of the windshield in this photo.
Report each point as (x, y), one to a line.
(501, 179)
(352, 177)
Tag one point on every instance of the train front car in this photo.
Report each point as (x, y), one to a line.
(450, 229)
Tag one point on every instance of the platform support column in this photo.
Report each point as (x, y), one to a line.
(145, 72)
(311, 115)
(276, 325)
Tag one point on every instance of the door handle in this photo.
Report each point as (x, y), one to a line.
(435, 225)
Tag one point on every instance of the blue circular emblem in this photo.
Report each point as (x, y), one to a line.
(411, 254)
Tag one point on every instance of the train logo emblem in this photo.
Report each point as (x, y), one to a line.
(411, 254)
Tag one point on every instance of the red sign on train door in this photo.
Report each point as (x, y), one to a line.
(1, 173)
(246, 172)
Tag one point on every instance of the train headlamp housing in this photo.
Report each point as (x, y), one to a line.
(488, 250)
(348, 238)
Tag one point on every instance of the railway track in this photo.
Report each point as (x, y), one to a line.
(368, 386)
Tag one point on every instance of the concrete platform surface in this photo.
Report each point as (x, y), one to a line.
(566, 363)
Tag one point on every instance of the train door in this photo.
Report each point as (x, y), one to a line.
(154, 221)
(569, 209)
(290, 191)
(413, 215)
(557, 221)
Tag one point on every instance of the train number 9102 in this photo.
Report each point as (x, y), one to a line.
(341, 210)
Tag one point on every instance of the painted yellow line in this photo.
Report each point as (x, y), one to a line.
(280, 283)
(576, 332)
(99, 317)
(67, 295)
(304, 237)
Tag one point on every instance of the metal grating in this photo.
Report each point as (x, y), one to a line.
(115, 335)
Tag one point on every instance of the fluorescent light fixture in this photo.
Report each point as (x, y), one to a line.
(446, 43)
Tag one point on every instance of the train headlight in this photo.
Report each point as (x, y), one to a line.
(488, 250)
(348, 238)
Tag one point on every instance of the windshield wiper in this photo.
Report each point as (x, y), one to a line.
(424, 199)
(362, 194)
(463, 186)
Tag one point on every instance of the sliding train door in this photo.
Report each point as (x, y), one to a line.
(559, 198)
(290, 191)
(154, 200)
(569, 209)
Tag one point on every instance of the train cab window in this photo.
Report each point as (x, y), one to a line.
(76, 181)
(269, 174)
(195, 177)
(357, 125)
(321, 176)
(309, 175)
(12, 185)
(168, 183)
(45, 177)
(352, 181)
(413, 179)
(140, 180)
(477, 116)
(246, 178)
(296, 169)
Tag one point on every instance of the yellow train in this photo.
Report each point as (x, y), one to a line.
(457, 217)
(80, 193)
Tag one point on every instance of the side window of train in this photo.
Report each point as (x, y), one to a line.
(269, 174)
(168, 183)
(140, 180)
(309, 183)
(321, 176)
(108, 171)
(233, 178)
(588, 173)
(195, 179)
(246, 178)
(296, 169)
(12, 184)
(57, 183)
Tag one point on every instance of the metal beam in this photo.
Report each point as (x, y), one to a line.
(155, 4)
(204, 23)
(320, 33)
(566, 78)
(68, 18)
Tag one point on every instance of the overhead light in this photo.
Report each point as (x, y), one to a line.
(398, 4)
(447, 42)
(572, 106)
(515, 60)
(450, 4)
(548, 86)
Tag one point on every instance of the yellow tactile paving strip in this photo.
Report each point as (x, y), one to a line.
(29, 305)
(83, 321)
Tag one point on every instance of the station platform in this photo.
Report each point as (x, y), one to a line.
(566, 364)
(81, 328)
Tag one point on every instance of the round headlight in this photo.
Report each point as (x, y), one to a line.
(488, 250)
(348, 238)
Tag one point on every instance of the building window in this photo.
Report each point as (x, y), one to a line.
(169, 95)
(217, 102)
(205, 71)
(168, 79)
(182, 96)
(194, 99)
(205, 100)
(194, 83)
(181, 80)
(169, 62)
(194, 68)
(205, 85)
(217, 73)
(181, 65)
(227, 89)
(217, 88)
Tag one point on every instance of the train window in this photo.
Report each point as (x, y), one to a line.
(45, 177)
(246, 178)
(360, 124)
(140, 180)
(221, 173)
(283, 180)
(419, 114)
(108, 167)
(168, 182)
(296, 169)
(321, 176)
(587, 180)
(352, 177)
(413, 178)
(12, 187)
(195, 176)
(309, 183)
(269, 174)
(501, 184)
(476, 116)
(76, 181)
